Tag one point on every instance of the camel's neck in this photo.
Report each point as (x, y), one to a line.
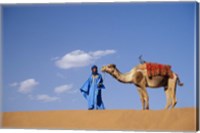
(123, 77)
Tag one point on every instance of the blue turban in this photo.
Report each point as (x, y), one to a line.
(94, 66)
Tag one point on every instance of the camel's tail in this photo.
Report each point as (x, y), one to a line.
(178, 81)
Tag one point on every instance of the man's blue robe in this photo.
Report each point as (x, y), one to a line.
(91, 91)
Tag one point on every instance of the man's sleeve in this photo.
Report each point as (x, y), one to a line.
(100, 83)
(86, 86)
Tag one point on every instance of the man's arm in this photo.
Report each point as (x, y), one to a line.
(86, 86)
(100, 83)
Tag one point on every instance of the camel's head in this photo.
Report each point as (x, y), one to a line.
(109, 68)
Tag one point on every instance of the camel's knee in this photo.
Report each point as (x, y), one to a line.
(146, 99)
(174, 103)
(141, 99)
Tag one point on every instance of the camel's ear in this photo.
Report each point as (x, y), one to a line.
(113, 65)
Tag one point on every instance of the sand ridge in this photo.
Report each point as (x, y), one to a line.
(178, 119)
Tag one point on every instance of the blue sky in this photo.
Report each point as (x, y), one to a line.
(48, 51)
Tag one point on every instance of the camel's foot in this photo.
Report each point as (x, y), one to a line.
(147, 108)
(143, 108)
(167, 107)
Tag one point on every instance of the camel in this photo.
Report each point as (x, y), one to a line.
(138, 76)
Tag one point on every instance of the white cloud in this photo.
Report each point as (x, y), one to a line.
(15, 84)
(27, 86)
(63, 88)
(46, 98)
(79, 58)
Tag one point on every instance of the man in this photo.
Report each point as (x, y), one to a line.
(91, 90)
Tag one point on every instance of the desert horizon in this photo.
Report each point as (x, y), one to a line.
(178, 119)
(151, 109)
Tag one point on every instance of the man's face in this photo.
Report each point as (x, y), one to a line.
(94, 70)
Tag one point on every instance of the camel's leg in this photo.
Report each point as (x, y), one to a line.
(140, 79)
(141, 97)
(168, 98)
(146, 98)
(172, 84)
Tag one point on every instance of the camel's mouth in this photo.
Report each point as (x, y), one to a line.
(103, 69)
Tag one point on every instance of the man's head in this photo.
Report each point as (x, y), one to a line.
(94, 69)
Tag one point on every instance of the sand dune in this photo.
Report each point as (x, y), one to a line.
(179, 119)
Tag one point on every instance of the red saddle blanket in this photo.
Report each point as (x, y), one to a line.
(155, 69)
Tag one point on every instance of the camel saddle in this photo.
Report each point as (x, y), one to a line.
(155, 69)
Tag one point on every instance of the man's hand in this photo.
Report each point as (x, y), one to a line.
(99, 85)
